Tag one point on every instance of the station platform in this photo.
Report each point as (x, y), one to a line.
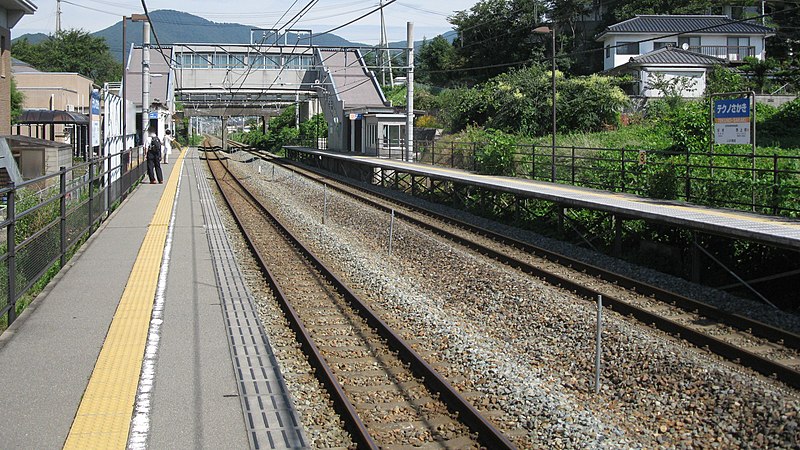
(147, 338)
(770, 230)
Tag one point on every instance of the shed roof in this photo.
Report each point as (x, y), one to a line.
(676, 56)
(46, 116)
(27, 142)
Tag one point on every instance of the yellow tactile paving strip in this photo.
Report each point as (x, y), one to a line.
(104, 416)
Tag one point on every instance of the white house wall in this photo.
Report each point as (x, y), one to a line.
(612, 59)
(695, 73)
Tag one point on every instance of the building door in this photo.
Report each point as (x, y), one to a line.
(392, 140)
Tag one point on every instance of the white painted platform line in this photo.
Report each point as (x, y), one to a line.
(140, 424)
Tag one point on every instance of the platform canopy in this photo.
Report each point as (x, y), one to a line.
(46, 116)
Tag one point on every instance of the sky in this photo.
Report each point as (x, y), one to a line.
(429, 18)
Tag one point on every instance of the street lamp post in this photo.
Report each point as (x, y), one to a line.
(145, 74)
(552, 32)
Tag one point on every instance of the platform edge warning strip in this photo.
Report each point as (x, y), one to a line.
(104, 415)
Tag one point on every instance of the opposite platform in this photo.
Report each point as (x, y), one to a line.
(769, 230)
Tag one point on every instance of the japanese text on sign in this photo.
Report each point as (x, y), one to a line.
(739, 107)
(732, 121)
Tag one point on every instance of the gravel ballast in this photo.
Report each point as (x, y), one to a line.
(525, 350)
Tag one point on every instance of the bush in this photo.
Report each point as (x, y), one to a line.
(689, 127)
(495, 154)
(775, 125)
(521, 102)
(789, 113)
(428, 121)
(591, 103)
(662, 182)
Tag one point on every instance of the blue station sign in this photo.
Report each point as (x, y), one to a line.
(732, 123)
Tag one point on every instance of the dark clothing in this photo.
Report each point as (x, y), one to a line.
(154, 162)
(154, 165)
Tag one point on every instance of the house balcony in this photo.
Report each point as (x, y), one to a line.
(732, 54)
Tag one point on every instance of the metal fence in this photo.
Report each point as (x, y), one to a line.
(47, 218)
(768, 184)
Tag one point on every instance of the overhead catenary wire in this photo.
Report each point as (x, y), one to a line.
(286, 27)
(155, 35)
(354, 20)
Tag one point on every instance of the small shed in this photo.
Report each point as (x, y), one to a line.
(41, 123)
(36, 157)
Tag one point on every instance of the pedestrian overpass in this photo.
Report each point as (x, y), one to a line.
(262, 78)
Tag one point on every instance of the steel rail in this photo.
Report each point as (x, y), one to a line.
(353, 422)
(468, 414)
(729, 351)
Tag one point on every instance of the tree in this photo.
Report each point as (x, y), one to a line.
(17, 98)
(435, 56)
(71, 51)
(723, 79)
(495, 35)
(628, 9)
(759, 71)
(785, 45)
(567, 13)
(672, 88)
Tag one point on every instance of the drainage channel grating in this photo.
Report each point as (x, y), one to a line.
(270, 417)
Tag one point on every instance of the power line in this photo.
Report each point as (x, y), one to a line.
(354, 20)
(287, 25)
(581, 52)
(158, 44)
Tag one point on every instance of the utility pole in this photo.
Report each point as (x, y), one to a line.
(381, 45)
(124, 85)
(58, 16)
(410, 93)
(145, 80)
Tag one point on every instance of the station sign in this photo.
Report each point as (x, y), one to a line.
(95, 103)
(154, 114)
(732, 123)
(95, 118)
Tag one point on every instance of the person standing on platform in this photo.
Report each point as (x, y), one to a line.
(154, 157)
(168, 140)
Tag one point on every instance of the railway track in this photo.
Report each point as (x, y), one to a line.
(768, 350)
(388, 395)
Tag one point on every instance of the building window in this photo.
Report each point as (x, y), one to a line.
(738, 48)
(220, 60)
(2, 54)
(236, 61)
(299, 62)
(194, 60)
(265, 62)
(608, 51)
(692, 42)
(627, 48)
(660, 45)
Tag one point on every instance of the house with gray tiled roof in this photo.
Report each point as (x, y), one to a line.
(717, 36)
(670, 62)
(673, 46)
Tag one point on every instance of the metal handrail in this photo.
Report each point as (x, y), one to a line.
(29, 239)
